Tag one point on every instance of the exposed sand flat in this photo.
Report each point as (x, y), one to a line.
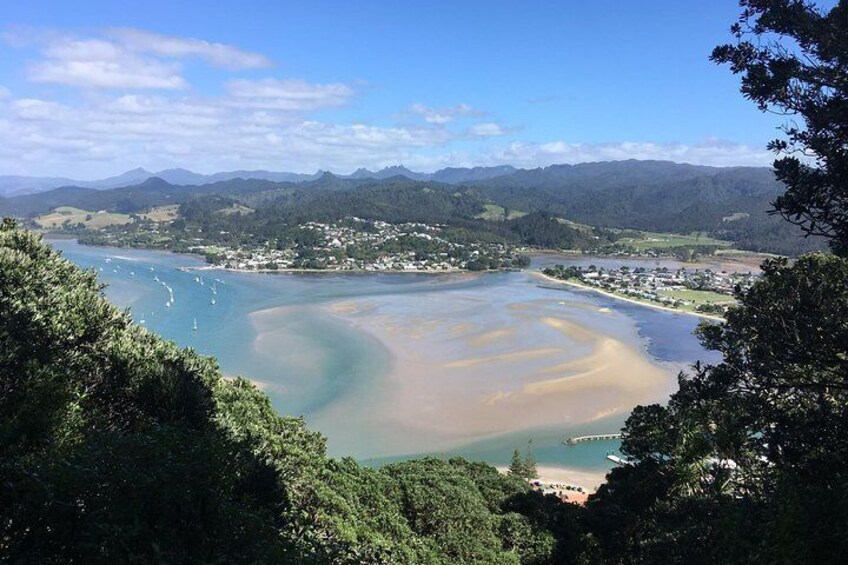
(461, 329)
(466, 370)
(491, 336)
(570, 329)
(503, 358)
(351, 307)
(629, 370)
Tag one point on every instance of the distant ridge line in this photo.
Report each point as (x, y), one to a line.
(16, 185)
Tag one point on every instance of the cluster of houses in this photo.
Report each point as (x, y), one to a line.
(356, 244)
(651, 284)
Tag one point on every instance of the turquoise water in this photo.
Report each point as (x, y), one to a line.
(311, 362)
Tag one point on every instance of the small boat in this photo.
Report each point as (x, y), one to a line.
(167, 305)
(194, 327)
(212, 302)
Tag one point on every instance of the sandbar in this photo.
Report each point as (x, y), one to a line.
(464, 370)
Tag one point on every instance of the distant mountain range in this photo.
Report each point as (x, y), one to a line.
(11, 185)
(728, 203)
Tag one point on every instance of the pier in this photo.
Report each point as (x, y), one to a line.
(597, 437)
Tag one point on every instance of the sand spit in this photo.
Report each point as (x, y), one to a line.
(617, 296)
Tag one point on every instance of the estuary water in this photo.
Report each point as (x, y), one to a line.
(390, 366)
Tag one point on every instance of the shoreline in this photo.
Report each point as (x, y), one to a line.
(525, 369)
(340, 271)
(617, 296)
(728, 258)
(550, 475)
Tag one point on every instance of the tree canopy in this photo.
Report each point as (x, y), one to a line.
(746, 462)
(793, 58)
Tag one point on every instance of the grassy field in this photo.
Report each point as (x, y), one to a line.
(652, 240)
(162, 213)
(698, 297)
(74, 216)
(496, 213)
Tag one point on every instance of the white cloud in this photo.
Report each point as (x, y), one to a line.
(126, 58)
(129, 73)
(218, 54)
(263, 123)
(290, 95)
(442, 116)
(106, 135)
(489, 129)
(34, 109)
(95, 63)
(711, 152)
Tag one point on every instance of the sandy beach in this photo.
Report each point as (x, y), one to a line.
(549, 475)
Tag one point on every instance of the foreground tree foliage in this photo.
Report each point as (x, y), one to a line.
(116, 446)
(793, 57)
(746, 463)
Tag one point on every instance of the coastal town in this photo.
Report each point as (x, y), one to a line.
(696, 290)
(356, 244)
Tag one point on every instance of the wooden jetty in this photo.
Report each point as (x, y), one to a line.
(597, 437)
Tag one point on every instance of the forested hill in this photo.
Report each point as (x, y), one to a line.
(656, 196)
(728, 203)
(637, 194)
(275, 215)
(129, 199)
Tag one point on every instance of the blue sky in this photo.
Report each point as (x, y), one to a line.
(94, 88)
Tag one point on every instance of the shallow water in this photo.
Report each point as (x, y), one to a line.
(292, 335)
